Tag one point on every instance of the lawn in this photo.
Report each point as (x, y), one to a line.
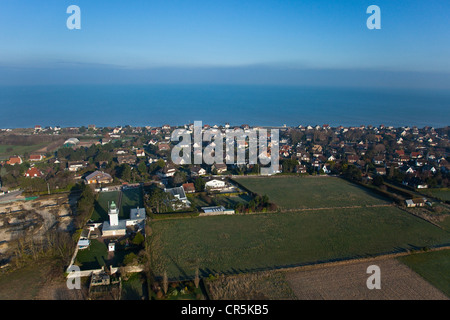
(96, 255)
(93, 257)
(243, 243)
(311, 192)
(130, 198)
(100, 212)
(433, 266)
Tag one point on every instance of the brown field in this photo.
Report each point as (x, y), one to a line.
(266, 285)
(348, 282)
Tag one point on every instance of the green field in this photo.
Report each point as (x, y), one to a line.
(9, 150)
(441, 194)
(243, 243)
(311, 192)
(432, 266)
(131, 198)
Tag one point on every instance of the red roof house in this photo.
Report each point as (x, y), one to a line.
(33, 173)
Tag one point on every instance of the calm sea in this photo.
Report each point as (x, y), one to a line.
(154, 105)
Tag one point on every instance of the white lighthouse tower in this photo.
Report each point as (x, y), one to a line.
(113, 215)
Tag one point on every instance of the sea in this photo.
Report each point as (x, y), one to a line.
(255, 105)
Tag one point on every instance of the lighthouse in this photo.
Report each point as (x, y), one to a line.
(113, 215)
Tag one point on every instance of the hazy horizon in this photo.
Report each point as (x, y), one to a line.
(318, 43)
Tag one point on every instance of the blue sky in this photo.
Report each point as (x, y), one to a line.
(223, 40)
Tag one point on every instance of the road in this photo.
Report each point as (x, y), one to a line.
(10, 196)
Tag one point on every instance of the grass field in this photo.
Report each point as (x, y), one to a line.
(243, 243)
(9, 150)
(304, 192)
(432, 266)
(442, 194)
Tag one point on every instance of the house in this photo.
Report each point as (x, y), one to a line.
(121, 151)
(76, 165)
(417, 202)
(215, 184)
(219, 167)
(33, 173)
(105, 141)
(380, 171)
(378, 160)
(140, 153)
(163, 147)
(13, 160)
(36, 157)
(167, 171)
(300, 169)
(137, 216)
(179, 200)
(197, 171)
(127, 158)
(189, 187)
(98, 177)
(352, 158)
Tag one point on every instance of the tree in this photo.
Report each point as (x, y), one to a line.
(138, 239)
(165, 282)
(142, 168)
(378, 181)
(156, 198)
(196, 279)
(199, 184)
(125, 173)
(179, 178)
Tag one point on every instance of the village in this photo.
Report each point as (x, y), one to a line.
(130, 177)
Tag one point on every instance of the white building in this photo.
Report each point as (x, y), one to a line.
(215, 184)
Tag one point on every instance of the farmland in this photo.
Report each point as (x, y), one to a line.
(348, 282)
(9, 150)
(304, 192)
(432, 266)
(244, 243)
(442, 194)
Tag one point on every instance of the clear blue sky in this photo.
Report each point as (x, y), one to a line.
(211, 38)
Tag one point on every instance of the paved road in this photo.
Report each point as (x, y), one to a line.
(10, 196)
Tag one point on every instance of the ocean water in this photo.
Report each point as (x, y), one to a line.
(155, 105)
